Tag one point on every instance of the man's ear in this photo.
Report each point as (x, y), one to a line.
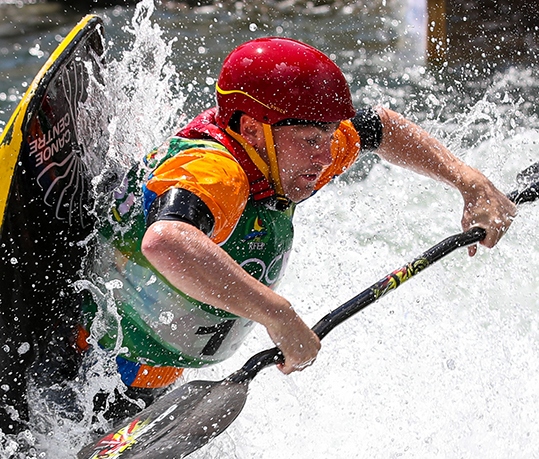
(252, 131)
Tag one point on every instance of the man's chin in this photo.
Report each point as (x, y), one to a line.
(299, 194)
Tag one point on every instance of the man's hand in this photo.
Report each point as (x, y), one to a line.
(487, 207)
(410, 146)
(298, 343)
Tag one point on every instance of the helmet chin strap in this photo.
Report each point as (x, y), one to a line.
(253, 154)
(271, 171)
(272, 155)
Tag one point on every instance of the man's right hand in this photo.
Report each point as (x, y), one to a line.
(298, 343)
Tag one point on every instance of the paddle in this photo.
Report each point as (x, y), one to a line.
(188, 417)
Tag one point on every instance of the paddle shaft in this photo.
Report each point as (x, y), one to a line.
(384, 286)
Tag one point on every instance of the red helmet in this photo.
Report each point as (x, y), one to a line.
(273, 79)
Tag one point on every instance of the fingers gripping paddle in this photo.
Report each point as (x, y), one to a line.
(190, 416)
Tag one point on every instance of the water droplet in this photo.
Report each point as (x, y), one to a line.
(23, 348)
(166, 317)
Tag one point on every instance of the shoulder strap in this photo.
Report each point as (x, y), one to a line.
(204, 126)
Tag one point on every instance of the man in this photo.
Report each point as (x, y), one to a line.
(200, 246)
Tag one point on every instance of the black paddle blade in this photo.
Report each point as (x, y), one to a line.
(528, 181)
(176, 425)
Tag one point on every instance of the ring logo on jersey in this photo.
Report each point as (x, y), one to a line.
(269, 273)
(254, 237)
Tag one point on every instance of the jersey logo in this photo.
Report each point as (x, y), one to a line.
(258, 231)
(254, 237)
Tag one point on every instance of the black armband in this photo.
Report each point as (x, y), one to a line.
(178, 204)
(368, 125)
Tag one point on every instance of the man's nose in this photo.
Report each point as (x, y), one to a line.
(322, 155)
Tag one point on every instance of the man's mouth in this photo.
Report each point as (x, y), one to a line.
(310, 177)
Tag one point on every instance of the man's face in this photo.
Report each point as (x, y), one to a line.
(303, 153)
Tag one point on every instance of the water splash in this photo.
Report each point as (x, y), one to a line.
(143, 89)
